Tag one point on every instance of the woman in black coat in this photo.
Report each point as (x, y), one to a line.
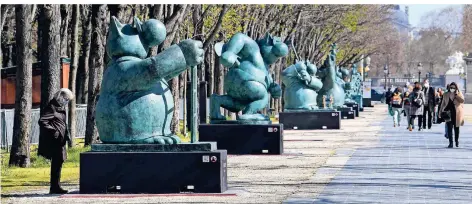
(53, 136)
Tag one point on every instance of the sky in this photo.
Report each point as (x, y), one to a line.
(418, 10)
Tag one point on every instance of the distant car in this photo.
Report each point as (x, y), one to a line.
(377, 95)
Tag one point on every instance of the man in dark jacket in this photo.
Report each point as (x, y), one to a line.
(53, 136)
(429, 103)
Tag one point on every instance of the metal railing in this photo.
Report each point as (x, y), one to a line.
(7, 116)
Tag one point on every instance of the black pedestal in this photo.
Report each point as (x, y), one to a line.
(244, 139)
(355, 108)
(367, 102)
(311, 120)
(153, 172)
(347, 113)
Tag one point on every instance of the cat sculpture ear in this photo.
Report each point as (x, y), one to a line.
(219, 48)
(137, 24)
(115, 28)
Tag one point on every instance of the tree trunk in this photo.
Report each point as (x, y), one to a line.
(20, 152)
(183, 95)
(50, 57)
(73, 72)
(65, 15)
(174, 83)
(39, 36)
(5, 11)
(83, 68)
(99, 16)
(6, 42)
(117, 10)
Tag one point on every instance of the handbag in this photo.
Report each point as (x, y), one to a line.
(446, 116)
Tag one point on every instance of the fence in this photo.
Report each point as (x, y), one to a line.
(7, 116)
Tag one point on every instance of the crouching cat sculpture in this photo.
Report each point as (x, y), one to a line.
(136, 105)
(248, 81)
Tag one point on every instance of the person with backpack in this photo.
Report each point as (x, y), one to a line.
(397, 106)
(417, 106)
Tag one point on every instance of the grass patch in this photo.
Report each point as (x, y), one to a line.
(36, 177)
(15, 179)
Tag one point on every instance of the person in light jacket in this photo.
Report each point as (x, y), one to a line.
(417, 106)
(453, 101)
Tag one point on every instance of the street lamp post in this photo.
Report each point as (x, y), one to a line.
(420, 67)
(385, 72)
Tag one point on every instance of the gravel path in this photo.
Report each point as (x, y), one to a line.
(313, 158)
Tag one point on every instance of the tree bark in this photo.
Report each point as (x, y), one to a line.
(5, 11)
(183, 95)
(73, 72)
(20, 152)
(174, 83)
(83, 68)
(50, 57)
(99, 16)
(8, 58)
(65, 16)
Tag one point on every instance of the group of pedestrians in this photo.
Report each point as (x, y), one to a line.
(430, 106)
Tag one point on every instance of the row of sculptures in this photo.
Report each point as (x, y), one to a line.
(136, 104)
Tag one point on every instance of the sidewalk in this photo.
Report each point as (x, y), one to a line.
(405, 167)
(313, 158)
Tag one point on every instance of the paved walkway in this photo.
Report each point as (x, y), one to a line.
(405, 167)
(367, 161)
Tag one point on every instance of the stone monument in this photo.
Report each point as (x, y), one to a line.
(139, 153)
(248, 86)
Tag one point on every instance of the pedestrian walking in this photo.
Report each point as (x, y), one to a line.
(452, 111)
(440, 120)
(397, 106)
(54, 135)
(416, 107)
(407, 104)
(439, 94)
(429, 103)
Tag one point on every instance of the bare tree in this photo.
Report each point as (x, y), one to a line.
(83, 68)
(20, 152)
(5, 11)
(65, 17)
(73, 72)
(99, 17)
(50, 57)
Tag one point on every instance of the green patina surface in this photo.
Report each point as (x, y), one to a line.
(183, 147)
(248, 83)
(136, 104)
(301, 86)
(332, 85)
(354, 93)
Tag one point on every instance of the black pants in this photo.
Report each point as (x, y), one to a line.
(412, 120)
(429, 114)
(451, 125)
(56, 167)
